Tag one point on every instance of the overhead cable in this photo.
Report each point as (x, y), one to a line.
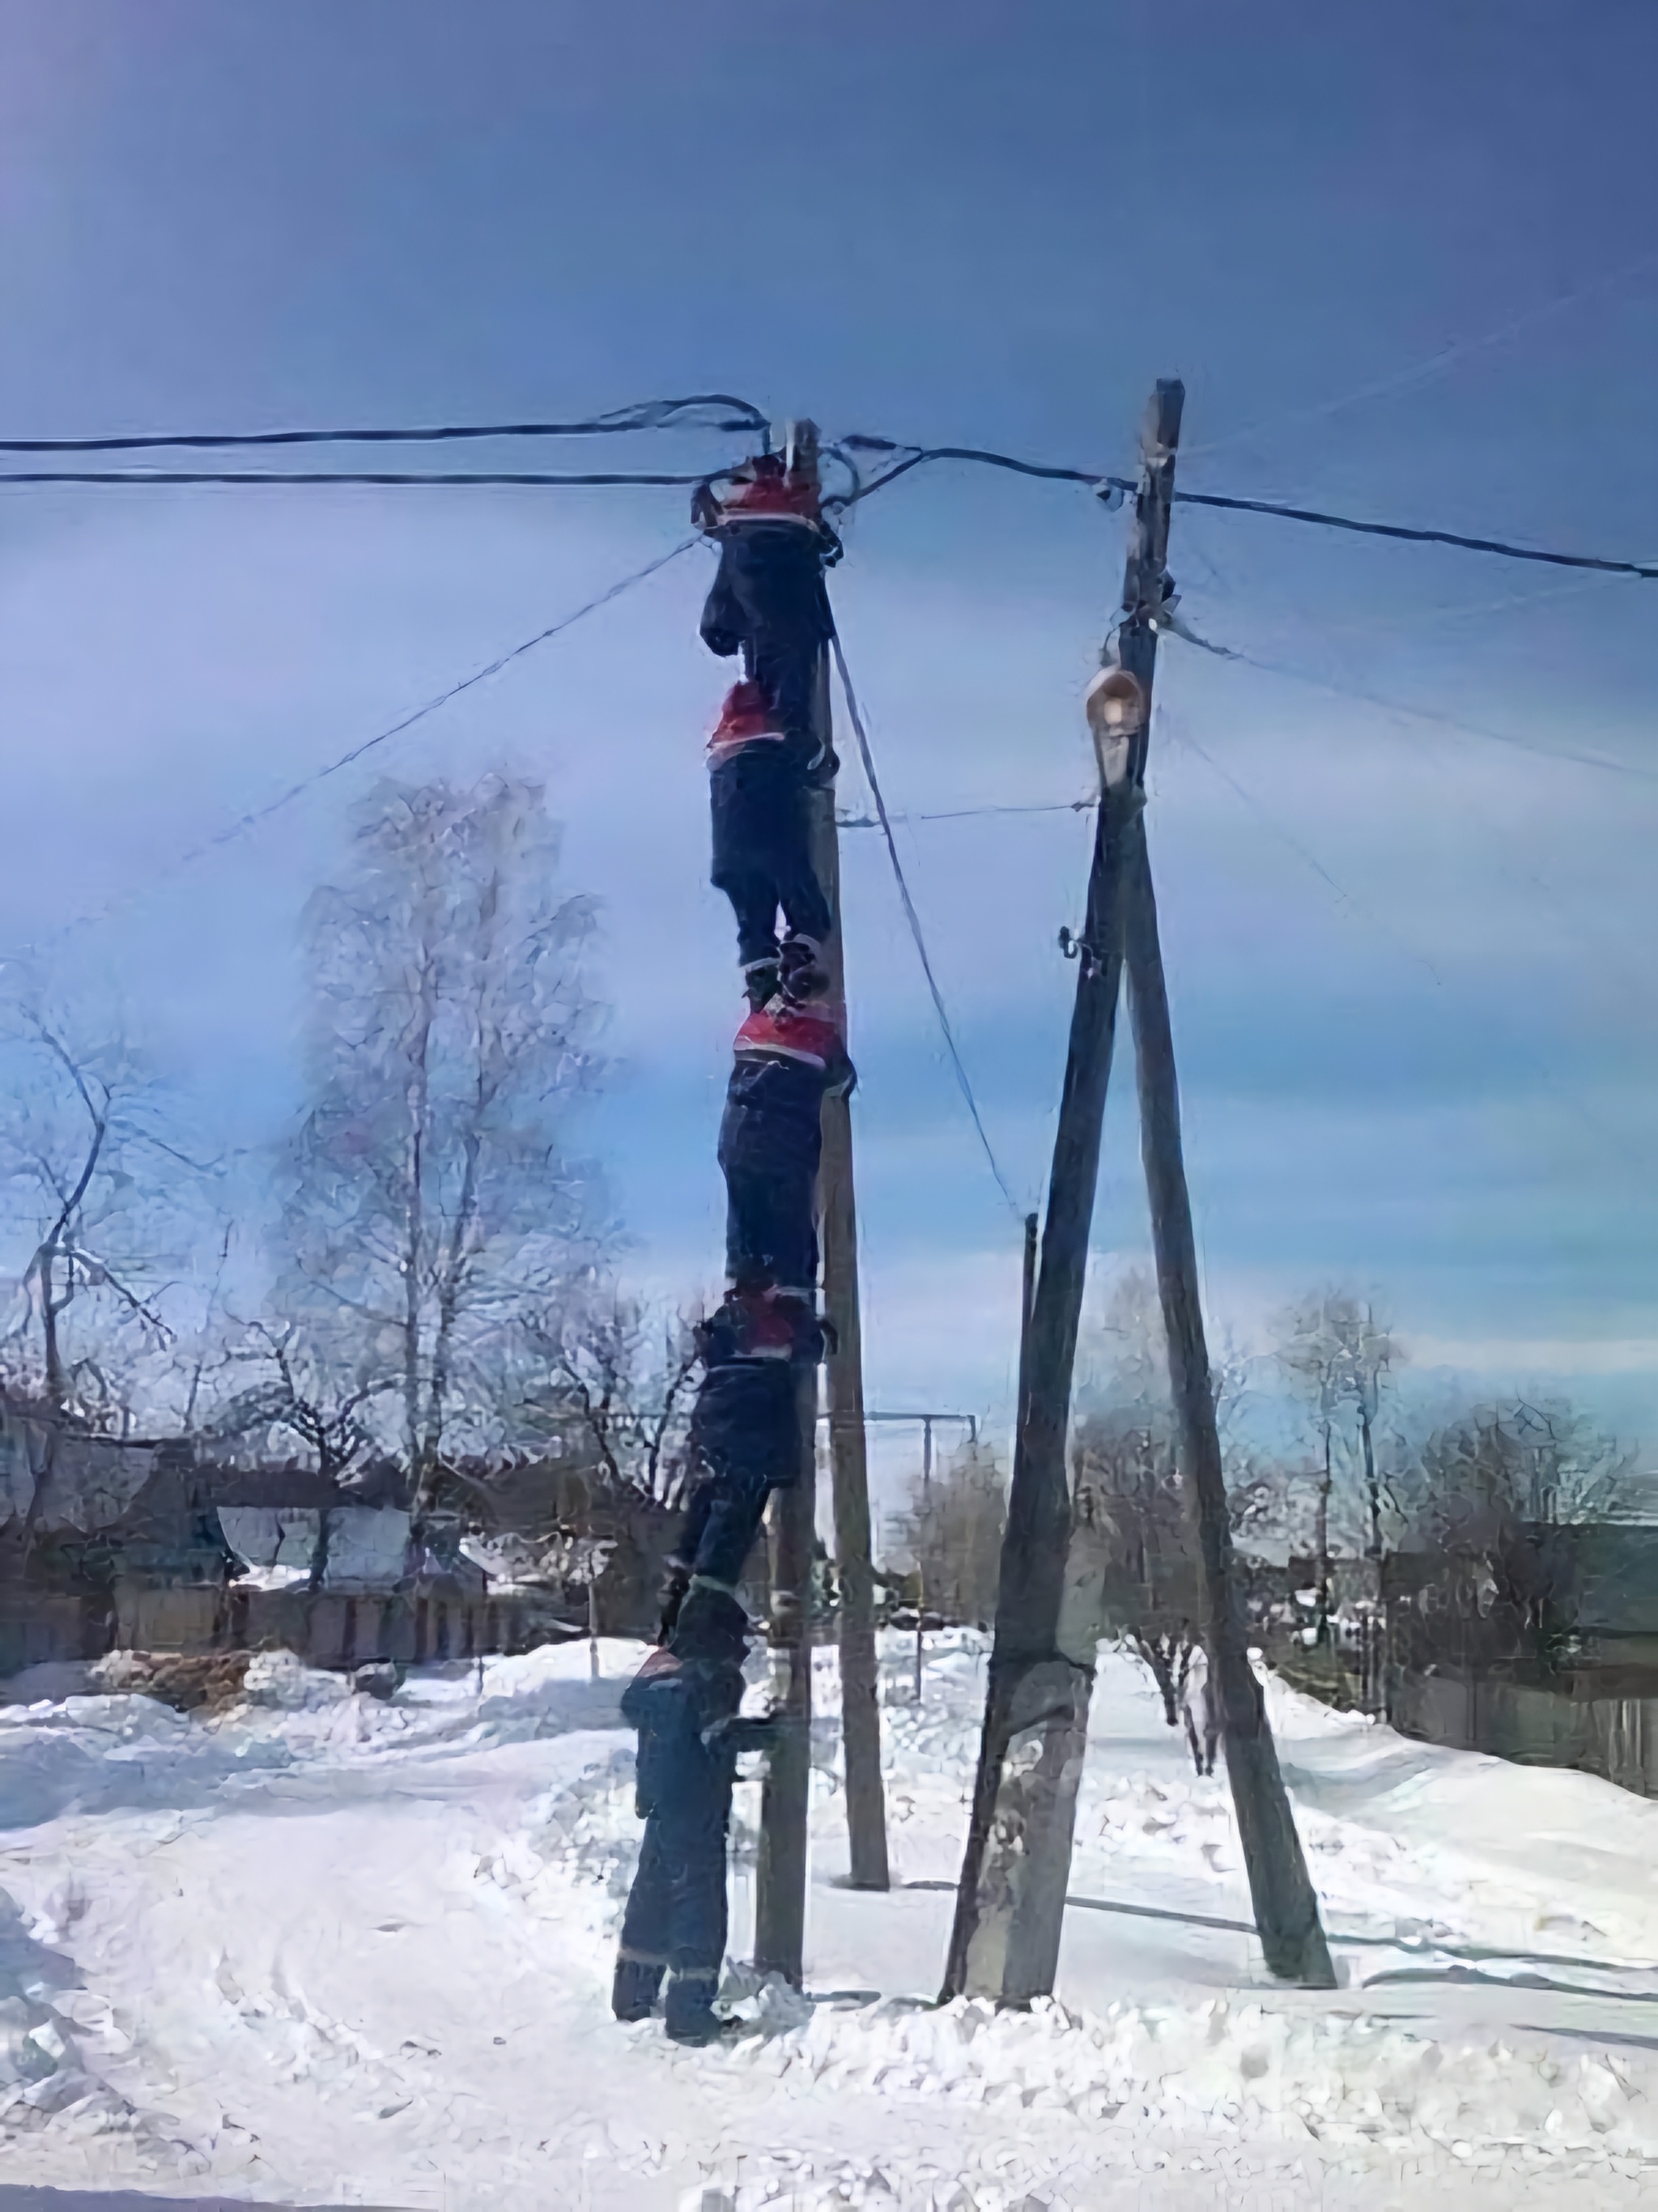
(345, 477)
(663, 414)
(1421, 537)
(647, 415)
(915, 931)
(913, 456)
(257, 815)
(1431, 715)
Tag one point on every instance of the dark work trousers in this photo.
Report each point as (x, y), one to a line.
(675, 1919)
(721, 1527)
(770, 1138)
(745, 1432)
(767, 602)
(762, 848)
(676, 1915)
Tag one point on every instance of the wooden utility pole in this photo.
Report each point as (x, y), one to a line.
(1286, 1908)
(1285, 1905)
(1010, 1906)
(780, 1882)
(780, 1876)
(861, 1709)
(1010, 1903)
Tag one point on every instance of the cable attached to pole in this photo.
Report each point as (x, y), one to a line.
(1110, 487)
(915, 922)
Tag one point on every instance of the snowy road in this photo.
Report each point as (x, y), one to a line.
(330, 1952)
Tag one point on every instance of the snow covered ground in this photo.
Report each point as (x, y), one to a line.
(329, 1950)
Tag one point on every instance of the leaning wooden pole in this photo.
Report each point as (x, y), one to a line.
(1286, 1904)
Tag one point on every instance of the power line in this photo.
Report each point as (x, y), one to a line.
(1434, 364)
(257, 815)
(647, 415)
(1184, 736)
(915, 922)
(341, 476)
(1098, 481)
(907, 458)
(1508, 551)
(1429, 714)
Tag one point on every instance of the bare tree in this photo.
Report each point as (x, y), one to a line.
(96, 1194)
(592, 1348)
(953, 1530)
(432, 1202)
(1130, 1516)
(1130, 1511)
(301, 1397)
(1488, 1497)
(1340, 1356)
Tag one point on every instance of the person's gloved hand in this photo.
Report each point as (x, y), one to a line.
(751, 1732)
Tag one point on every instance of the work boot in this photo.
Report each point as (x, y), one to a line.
(634, 1991)
(689, 2016)
(762, 980)
(804, 974)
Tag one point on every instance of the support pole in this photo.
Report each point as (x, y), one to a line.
(861, 1709)
(1285, 1904)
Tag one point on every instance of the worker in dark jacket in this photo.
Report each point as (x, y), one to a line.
(767, 603)
(746, 1437)
(684, 1702)
(767, 600)
(785, 1058)
(758, 777)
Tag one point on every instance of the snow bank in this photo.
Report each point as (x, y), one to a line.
(104, 1753)
(45, 2078)
(1245, 2069)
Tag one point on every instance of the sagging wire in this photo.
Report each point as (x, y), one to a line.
(1431, 715)
(1183, 736)
(372, 476)
(644, 415)
(1112, 489)
(914, 921)
(257, 815)
(663, 414)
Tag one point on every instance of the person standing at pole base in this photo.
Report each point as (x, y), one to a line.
(684, 1701)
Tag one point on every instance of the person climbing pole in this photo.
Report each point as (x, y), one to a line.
(768, 604)
(785, 1058)
(745, 1439)
(759, 774)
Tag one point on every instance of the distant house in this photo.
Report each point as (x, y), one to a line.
(115, 1545)
(84, 1518)
(1556, 1664)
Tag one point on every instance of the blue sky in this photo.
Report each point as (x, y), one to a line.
(1412, 986)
